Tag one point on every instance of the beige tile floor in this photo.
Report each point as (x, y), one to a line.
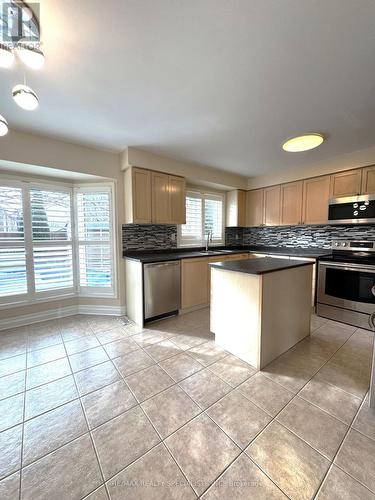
(94, 407)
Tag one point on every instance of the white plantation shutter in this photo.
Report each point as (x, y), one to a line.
(191, 232)
(13, 276)
(213, 217)
(204, 212)
(95, 240)
(51, 234)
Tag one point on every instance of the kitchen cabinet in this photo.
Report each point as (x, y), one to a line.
(153, 197)
(254, 207)
(194, 282)
(160, 198)
(346, 183)
(368, 180)
(177, 200)
(272, 205)
(315, 200)
(236, 208)
(291, 203)
(137, 196)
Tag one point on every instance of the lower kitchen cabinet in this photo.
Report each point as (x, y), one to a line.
(194, 282)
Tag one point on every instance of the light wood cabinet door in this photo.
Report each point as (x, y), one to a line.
(177, 200)
(254, 207)
(160, 198)
(194, 282)
(236, 208)
(315, 200)
(241, 212)
(272, 206)
(141, 196)
(291, 203)
(346, 183)
(368, 180)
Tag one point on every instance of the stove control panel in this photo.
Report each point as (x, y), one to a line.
(351, 245)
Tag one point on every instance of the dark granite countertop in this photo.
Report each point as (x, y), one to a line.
(147, 256)
(314, 253)
(259, 266)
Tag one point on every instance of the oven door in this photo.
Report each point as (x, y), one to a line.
(348, 286)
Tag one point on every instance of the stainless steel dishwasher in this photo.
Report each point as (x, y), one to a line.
(161, 288)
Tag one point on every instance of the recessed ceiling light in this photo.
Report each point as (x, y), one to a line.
(31, 56)
(303, 143)
(3, 126)
(6, 56)
(25, 97)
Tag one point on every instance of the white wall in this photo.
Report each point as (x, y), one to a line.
(195, 174)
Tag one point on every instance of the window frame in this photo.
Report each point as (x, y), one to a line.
(32, 296)
(97, 291)
(203, 194)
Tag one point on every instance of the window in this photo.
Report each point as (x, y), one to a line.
(204, 214)
(50, 249)
(95, 248)
(13, 279)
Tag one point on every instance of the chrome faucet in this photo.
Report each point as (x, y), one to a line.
(208, 239)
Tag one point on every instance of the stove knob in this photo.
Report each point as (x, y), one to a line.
(355, 205)
(337, 244)
(344, 244)
(355, 212)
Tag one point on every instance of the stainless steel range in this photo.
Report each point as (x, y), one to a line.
(346, 283)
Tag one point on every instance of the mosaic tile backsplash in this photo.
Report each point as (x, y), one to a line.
(306, 236)
(161, 237)
(148, 237)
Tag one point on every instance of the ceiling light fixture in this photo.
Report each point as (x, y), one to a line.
(303, 143)
(3, 126)
(25, 97)
(32, 56)
(6, 56)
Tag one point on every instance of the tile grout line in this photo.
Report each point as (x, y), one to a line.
(338, 451)
(23, 432)
(87, 424)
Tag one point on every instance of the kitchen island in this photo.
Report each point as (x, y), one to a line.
(260, 308)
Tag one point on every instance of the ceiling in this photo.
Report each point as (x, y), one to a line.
(217, 82)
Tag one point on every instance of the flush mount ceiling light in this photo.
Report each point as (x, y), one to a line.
(32, 56)
(3, 126)
(303, 143)
(25, 97)
(6, 56)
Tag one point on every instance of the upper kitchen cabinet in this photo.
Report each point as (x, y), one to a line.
(137, 196)
(346, 183)
(272, 206)
(368, 180)
(291, 203)
(254, 207)
(315, 200)
(153, 197)
(161, 203)
(236, 208)
(177, 188)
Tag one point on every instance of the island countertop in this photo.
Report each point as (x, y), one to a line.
(259, 266)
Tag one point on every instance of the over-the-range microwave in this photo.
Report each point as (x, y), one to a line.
(352, 210)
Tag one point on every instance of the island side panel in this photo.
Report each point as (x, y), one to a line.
(134, 291)
(286, 310)
(235, 317)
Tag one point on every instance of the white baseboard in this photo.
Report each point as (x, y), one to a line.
(61, 312)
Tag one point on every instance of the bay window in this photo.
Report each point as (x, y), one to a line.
(204, 215)
(55, 241)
